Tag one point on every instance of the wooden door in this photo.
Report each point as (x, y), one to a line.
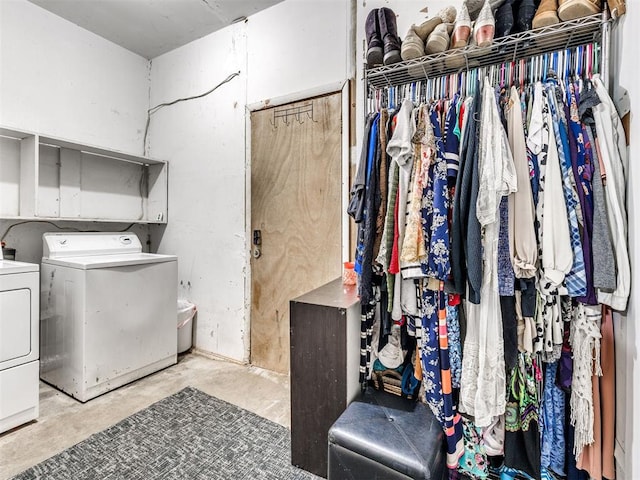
(295, 205)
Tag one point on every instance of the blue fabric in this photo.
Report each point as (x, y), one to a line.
(474, 462)
(576, 279)
(435, 360)
(409, 381)
(435, 218)
(583, 173)
(452, 142)
(506, 275)
(507, 473)
(371, 153)
(431, 375)
(455, 345)
(553, 419)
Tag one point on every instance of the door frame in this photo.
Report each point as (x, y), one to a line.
(342, 87)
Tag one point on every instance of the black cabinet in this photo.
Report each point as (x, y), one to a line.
(325, 359)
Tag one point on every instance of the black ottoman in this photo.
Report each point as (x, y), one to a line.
(381, 436)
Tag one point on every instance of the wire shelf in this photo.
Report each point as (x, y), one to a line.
(564, 35)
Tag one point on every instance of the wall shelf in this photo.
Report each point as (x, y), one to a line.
(47, 178)
(523, 45)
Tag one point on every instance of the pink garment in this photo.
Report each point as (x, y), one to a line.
(597, 459)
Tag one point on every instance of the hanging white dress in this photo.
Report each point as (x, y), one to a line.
(483, 383)
(613, 151)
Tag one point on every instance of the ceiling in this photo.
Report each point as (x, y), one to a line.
(153, 27)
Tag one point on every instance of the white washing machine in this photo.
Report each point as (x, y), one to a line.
(19, 344)
(107, 312)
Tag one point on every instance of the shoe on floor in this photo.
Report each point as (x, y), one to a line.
(462, 28)
(547, 14)
(412, 46)
(572, 9)
(485, 26)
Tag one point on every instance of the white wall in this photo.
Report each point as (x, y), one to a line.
(297, 45)
(626, 329)
(204, 141)
(292, 47)
(61, 80)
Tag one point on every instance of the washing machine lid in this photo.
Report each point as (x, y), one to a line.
(10, 267)
(97, 250)
(108, 261)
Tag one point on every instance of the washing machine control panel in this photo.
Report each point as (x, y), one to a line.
(64, 245)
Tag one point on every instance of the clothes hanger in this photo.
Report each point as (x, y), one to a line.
(467, 83)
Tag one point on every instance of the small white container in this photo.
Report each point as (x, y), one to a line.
(186, 312)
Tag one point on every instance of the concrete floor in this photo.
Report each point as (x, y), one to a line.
(63, 421)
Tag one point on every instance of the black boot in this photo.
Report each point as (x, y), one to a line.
(374, 39)
(504, 19)
(526, 12)
(389, 34)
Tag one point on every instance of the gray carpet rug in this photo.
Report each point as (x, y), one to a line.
(189, 435)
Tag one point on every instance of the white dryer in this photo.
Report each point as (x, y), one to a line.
(108, 312)
(19, 346)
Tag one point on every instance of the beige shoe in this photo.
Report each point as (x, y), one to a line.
(617, 8)
(446, 15)
(462, 28)
(438, 41)
(412, 46)
(572, 9)
(546, 14)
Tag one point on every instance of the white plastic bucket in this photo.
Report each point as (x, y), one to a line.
(186, 312)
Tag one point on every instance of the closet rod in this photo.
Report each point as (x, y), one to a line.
(583, 61)
(512, 48)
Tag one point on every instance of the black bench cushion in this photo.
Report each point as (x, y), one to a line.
(399, 434)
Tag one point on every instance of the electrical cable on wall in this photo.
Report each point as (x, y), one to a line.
(153, 110)
(8, 229)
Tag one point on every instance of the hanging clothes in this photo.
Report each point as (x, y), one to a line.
(400, 150)
(613, 152)
(522, 236)
(495, 232)
(575, 279)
